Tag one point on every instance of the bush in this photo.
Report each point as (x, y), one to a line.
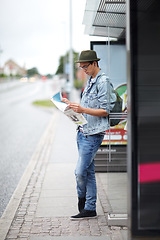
(2, 75)
(78, 84)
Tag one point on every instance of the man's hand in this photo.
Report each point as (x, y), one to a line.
(65, 100)
(76, 107)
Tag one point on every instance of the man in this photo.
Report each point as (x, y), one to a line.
(97, 100)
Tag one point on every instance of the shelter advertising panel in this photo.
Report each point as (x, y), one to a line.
(145, 118)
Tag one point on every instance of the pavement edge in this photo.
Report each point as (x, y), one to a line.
(9, 213)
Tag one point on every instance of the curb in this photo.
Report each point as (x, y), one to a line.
(10, 211)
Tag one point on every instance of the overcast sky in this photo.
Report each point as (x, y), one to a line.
(35, 33)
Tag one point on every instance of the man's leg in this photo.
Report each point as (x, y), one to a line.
(85, 169)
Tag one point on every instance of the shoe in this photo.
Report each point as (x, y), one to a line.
(85, 214)
(81, 204)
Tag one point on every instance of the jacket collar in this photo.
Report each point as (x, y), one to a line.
(96, 77)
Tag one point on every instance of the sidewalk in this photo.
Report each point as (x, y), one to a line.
(46, 195)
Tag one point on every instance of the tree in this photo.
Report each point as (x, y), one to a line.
(32, 71)
(65, 59)
(60, 68)
(49, 75)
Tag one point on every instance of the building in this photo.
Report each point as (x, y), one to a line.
(12, 68)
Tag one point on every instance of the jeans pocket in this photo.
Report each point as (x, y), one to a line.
(94, 138)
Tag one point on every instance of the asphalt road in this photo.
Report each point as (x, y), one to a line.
(21, 127)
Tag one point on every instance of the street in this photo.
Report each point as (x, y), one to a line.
(21, 126)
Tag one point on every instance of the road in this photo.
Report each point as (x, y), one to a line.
(21, 126)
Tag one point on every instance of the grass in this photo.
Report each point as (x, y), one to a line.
(44, 103)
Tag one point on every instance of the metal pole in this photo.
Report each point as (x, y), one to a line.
(71, 55)
(1, 51)
(109, 61)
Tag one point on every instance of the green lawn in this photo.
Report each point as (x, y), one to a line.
(44, 103)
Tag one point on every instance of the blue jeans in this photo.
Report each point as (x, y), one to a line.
(85, 169)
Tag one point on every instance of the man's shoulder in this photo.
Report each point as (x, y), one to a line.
(102, 77)
(102, 74)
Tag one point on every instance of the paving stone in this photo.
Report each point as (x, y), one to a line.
(27, 224)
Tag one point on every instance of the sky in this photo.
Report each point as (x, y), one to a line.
(35, 33)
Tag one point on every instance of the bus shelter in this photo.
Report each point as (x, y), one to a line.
(134, 26)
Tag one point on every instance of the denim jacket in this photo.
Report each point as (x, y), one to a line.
(99, 95)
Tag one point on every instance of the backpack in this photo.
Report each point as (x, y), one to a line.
(116, 109)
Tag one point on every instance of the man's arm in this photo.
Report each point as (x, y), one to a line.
(77, 108)
(94, 112)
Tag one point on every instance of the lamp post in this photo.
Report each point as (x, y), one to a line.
(71, 55)
(1, 51)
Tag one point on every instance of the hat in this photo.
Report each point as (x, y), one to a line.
(87, 56)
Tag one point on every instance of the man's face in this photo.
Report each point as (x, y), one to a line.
(87, 67)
